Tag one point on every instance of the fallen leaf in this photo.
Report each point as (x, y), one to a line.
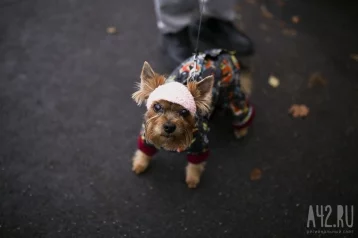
(273, 81)
(255, 174)
(263, 27)
(289, 32)
(111, 30)
(316, 79)
(251, 1)
(354, 56)
(295, 19)
(298, 110)
(266, 13)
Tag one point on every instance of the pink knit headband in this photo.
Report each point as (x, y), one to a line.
(173, 92)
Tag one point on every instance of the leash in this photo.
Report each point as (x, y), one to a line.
(193, 72)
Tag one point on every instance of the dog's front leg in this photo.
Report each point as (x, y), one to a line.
(140, 162)
(142, 156)
(193, 174)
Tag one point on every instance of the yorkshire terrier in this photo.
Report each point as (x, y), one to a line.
(179, 108)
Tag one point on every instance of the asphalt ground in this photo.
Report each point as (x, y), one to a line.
(69, 127)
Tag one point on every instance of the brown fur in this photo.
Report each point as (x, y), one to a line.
(202, 93)
(149, 81)
(193, 174)
(181, 138)
(140, 163)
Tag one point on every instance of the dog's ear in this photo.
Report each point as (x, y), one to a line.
(149, 80)
(202, 93)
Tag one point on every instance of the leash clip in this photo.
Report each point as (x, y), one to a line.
(194, 73)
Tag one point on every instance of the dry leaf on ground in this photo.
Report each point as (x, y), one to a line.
(266, 13)
(316, 79)
(295, 19)
(274, 81)
(298, 110)
(111, 30)
(255, 174)
(289, 32)
(354, 56)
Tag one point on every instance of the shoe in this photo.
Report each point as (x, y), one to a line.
(177, 46)
(223, 34)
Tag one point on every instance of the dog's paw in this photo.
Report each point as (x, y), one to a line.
(139, 168)
(140, 162)
(193, 174)
(240, 133)
(192, 181)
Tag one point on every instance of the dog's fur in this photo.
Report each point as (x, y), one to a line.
(176, 114)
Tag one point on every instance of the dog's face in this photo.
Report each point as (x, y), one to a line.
(169, 125)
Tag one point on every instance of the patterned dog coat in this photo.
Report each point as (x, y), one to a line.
(226, 92)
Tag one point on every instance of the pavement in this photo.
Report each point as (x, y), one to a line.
(68, 126)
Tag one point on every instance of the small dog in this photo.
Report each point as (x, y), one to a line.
(179, 107)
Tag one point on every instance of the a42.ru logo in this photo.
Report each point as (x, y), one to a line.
(326, 217)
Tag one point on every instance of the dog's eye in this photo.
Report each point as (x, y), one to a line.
(184, 112)
(157, 107)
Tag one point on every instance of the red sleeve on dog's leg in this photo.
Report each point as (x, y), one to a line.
(198, 158)
(248, 121)
(145, 148)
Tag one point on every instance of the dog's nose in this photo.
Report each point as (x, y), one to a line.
(169, 127)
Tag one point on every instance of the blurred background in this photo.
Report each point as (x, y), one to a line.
(68, 125)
